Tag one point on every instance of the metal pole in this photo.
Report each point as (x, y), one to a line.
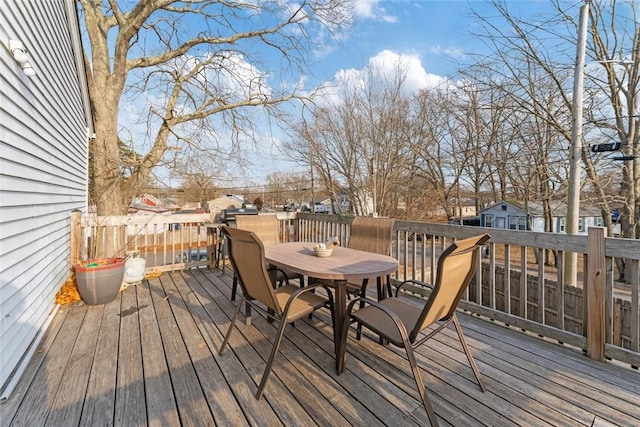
(374, 170)
(575, 155)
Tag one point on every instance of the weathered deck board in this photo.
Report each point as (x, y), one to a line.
(162, 408)
(99, 401)
(151, 358)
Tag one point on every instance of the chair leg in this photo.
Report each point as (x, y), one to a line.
(363, 293)
(231, 326)
(426, 402)
(274, 351)
(234, 287)
(467, 351)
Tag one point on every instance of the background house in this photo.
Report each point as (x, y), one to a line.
(45, 123)
(518, 216)
(229, 201)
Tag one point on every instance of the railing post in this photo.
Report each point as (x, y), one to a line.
(595, 293)
(76, 237)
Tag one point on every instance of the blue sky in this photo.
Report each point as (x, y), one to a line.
(437, 33)
(429, 37)
(432, 37)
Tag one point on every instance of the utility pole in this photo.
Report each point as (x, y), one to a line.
(374, 170)
(575, 155)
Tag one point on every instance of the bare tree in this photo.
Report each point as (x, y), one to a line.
(283, 188)
(361, 143)
(540, 53)
(439, 162)
(615, 45)
(201, 67)
(198, 178)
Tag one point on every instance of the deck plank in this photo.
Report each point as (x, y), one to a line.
(575, 388)
(100, 398)
(277, 394)
(151, 357)
(130, 400)
(36, 405)
(214, 324)
(223, 405)
(162, 409)
(10, 407)
(192, 405)
(69, 398)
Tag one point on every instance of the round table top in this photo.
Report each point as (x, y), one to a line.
(343, 264)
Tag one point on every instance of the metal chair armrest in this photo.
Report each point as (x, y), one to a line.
(310, 288)
(386, 310)
(415, 282)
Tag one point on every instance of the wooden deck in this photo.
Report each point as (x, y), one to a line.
(150, 358)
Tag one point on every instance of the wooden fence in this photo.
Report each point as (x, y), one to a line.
(596, 314)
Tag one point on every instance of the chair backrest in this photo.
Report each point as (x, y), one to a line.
(371, 234)
(456, 268)
(247, 259)
(264, 226)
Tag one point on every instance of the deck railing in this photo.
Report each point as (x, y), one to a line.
(596, 314)
(513, 285)
(167, 242)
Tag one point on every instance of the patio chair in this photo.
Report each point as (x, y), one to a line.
(369, 235)
(400, 321)
(285, 304)
(266, 228)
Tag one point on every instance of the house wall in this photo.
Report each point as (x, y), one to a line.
(500, 217)
(217, 205)
(43, 169)
(537, 224)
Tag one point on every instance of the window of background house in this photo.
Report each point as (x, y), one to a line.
(488, 220)
(500, 222)
(522, 223)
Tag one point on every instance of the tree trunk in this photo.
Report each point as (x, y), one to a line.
(106, 162)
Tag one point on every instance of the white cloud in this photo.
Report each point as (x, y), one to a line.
(371, 9)
(384, 64)
(452, 52)
(416, 76)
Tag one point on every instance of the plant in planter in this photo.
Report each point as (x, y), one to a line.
(99, 279)
(98, 275)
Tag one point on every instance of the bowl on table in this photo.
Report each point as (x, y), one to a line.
(322, 252)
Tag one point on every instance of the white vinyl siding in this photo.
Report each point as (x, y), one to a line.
(43, 169)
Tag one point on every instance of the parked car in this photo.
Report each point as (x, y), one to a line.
(320, 208)
(194, 255)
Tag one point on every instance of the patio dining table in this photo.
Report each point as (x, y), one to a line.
(342, 266)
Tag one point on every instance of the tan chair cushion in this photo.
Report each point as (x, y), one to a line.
(303, 305)
(379, 322)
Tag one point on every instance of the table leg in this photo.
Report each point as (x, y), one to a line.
(382, 294)
(213, 242)
(340, 308)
